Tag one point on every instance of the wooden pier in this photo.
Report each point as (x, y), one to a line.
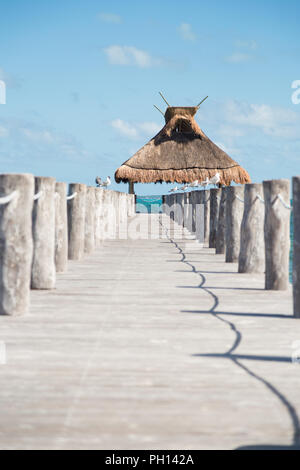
(152, 344)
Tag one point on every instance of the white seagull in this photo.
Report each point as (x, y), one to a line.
(194, 184)
(215, 179)
(173, 190)
(183, 188)
(205, 183)
(98, 181)
(106, 183)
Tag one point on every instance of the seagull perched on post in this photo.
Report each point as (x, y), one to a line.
(173, 190)
(194, 184)
(215, 179)
(98, 181)
(183, 188)
(205, 183)
(106, 183)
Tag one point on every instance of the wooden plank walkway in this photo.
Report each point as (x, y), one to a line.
(151, 344)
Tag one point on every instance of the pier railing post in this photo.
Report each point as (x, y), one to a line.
(43, 274)
(214, 213)
(277, 233)
(252, 246)
(296, 246)
(186, 210)
(193, 202)
(220, 234)
(122, 222)
(106, 225)
(131, 205)
(190, 211)
(180, 208)
(98, 216)
(174, 204)
(233, 218)
(16, 242)
(89, 226)
(61, 227)
(206, 202)
(199, 215)
(76, 221)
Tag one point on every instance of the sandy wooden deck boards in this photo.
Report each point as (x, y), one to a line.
(151, 344)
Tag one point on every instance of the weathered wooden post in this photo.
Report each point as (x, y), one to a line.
(179, 201)
(116, 206)
(174, 205)
(122, 223)
(178, 207)
(277, 233)
(61, 227)
(206, 202)
(193, 202)
(98, 215)
(76, 220)
(167, 211)
(115, 215)
(43, 273)
(131, 205)
(252, 247)
(105, 226)
(296, 246)
(199, 215)
(16, 201)
(234, 210)
(169, 205)
(186, 210)
(123, 208)
(131, 187)
(220, 234)
(89, 226)
(175, 212)
(214, 214)
(190, 212)
(164, 203)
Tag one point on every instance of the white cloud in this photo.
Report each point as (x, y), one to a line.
(11, 81)
(135, 130)
(3, 131)
(43, 136)
(110, 18)
(252, 45)
(149, 127)
(238, 57)
(124, 128)
(27, 142)
(271, 120)
(263, 138)
(245, 56)
(186, 32)
(129, 55)
(233, 131)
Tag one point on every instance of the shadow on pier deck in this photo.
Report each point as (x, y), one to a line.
(152, 344)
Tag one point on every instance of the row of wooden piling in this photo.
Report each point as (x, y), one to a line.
(250, 225)
(42, 227)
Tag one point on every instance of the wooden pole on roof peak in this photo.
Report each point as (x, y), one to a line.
(198, 105)
(158, 109)
(164, 99)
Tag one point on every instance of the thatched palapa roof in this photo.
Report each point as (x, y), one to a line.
(181, 153)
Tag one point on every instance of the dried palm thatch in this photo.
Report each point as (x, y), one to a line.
(181, 153)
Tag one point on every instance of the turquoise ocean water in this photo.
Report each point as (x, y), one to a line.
(148, 204)
(152, 204)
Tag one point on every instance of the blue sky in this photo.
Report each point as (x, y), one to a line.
(82, 78)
